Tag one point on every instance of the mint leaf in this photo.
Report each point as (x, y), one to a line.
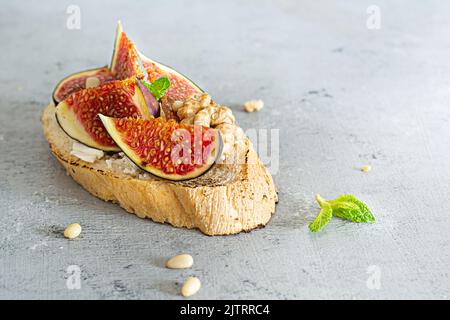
(351, 208)
(158, 87)
(324, 216)
(346, 207)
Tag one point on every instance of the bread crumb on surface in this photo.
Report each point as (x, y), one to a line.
(253, 105)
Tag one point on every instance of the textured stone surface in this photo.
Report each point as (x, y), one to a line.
(341, 96)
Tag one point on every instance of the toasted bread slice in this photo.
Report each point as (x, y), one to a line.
(225, 201)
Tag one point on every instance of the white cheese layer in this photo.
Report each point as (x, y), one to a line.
(86, 153)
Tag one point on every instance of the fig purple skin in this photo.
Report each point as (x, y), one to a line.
(152, 104)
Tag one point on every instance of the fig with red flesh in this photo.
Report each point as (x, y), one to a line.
(125, 61)
(78, 114)
(166, 149)
(77, 81)
(181, 87)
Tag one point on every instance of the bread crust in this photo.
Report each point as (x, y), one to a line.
(242, 204)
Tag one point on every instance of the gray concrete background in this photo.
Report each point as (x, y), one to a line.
(341, 95)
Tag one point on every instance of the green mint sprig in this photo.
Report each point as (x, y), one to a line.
(346, 207)
(158, 87)
(324, 216)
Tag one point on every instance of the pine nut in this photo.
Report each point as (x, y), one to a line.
(253, 105)
(366, 168)
(190, 286)
(181, 261)
(92, 82)
(72, 231)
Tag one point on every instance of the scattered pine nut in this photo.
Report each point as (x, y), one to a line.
(181, 261)
(72, 231)
(366, 168)
(92, 82)
(253, 105)
(190, 286)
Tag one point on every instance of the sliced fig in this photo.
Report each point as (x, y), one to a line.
(78, 81)
(166, 149)
(125, 61)
(181, 87)
(78, 114)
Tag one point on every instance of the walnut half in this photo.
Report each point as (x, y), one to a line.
(200, 109)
